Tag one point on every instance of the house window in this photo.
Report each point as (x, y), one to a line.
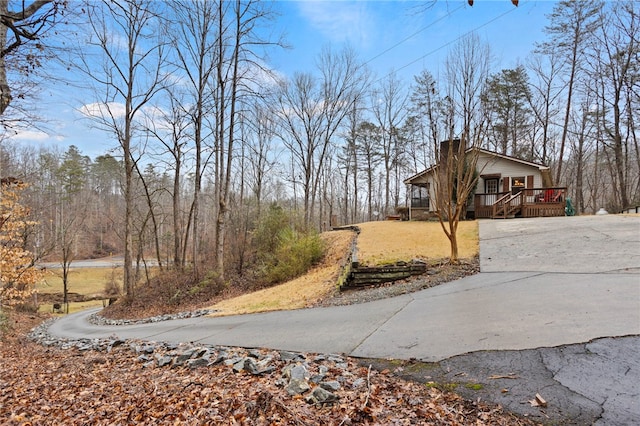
(420, 195)
(517, 184)
(491, 186)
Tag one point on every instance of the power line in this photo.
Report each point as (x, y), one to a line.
(444, 45)
(404, 40)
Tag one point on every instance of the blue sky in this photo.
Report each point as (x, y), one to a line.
(389, 35)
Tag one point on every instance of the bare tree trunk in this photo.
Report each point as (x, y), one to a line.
(25, 26)
(121, 79)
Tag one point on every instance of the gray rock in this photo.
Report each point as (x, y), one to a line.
(201, 352)
(233, 360)
(317, 378)
(291, 356)
(295, 371)
(240, 365)
(146, 349)
(321, 396)
(183, 357)
(297, 387)
(251, 366)
(163, 360)
(220, 357)
(197, 362)
(254, 353)
(331, 385)
(144, 358)
(114, 343)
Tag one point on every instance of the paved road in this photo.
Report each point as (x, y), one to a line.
(104, 262)
(544, 282)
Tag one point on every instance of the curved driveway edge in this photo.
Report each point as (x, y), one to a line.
(544, 282)
(553, 293)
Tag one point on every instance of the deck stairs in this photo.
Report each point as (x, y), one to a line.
(508, 206)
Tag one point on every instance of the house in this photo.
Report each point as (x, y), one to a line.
(507, 187)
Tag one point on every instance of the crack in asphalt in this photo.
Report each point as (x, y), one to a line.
(365, 338)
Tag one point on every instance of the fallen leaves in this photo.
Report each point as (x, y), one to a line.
(48, 386)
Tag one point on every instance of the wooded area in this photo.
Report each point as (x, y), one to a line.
(206, 136)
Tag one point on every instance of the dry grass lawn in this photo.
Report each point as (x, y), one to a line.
(378, 243)
(89, 282)
(390, 241)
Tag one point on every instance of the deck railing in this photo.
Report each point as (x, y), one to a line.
(530, 202)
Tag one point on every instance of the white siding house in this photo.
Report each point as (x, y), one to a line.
(499, 176)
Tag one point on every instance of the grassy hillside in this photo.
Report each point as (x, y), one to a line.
(378, 243)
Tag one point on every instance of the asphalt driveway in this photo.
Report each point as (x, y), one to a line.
(544, 283)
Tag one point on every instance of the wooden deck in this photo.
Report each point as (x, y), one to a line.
(532, 202)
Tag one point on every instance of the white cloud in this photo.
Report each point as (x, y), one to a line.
(103, 110)
(30, 135)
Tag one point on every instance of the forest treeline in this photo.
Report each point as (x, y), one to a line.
(207, 140)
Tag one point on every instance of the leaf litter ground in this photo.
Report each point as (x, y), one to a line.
(45, 385)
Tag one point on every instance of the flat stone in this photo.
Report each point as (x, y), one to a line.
(321, 396)
(295, 371)
(291, 356)
(163, 360)
(197, 362)
(297, 387)
(332, 385)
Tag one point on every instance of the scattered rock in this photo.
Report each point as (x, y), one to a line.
(297, 387)
(316, 377)
(332, 385)
(291, 356)
(163, 360)
(198, 362)
(100, 320)
(321, 396)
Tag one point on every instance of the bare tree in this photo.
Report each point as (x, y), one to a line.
(170, 129)
(22, 25)
(571, 23)
(261, 151)
(238, 63)
(126, 34)
(455, 177)
(614, 67)
(197, 57)
(544, 94)
(388, 108)
(369, 158)
(313, 110)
